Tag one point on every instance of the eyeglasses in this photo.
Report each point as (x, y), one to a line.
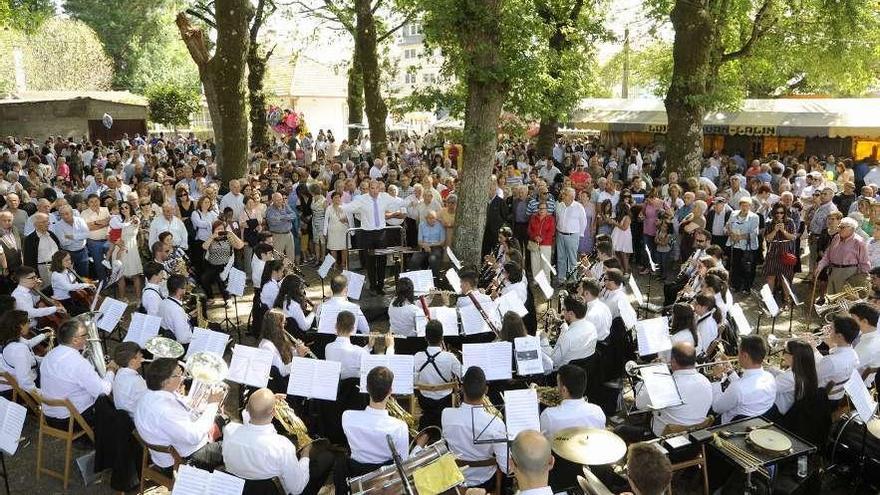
(81, 335)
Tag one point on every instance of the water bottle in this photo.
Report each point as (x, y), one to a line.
(802, 467)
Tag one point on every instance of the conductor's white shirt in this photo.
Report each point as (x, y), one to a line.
(65, 374)
(459, 427)
(258, 452)
(161, 418)
(372, 210)
(570, 413)
(366, 429)
(175, 319)
(750, 395)
(696, 395)
(128, 387)
(578, 341)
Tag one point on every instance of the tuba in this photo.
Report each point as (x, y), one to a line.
(94, 350)
(291, 423)
(208, 372)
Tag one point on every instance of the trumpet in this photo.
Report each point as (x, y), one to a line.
(718, 362)
(776, 343)
(849, 292)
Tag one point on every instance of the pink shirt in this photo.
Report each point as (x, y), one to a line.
(851, 251)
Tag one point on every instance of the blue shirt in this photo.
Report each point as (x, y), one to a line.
(280, 220)
(431, 234)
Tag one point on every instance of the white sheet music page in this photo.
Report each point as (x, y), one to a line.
(454, 281)
(739, 317)
(493, 357)
(236, 282)
(225, 484)
(652, 336)
(326, 265)
(528, 355)
(627, 313)
(314, 378)
(791, 293)
(661, 388)
(111, 312)
(521, 411)
(858, 393)
(448, 317)
(355, 284)
(12, 418)
(250, 365)
(472, 322)
(400, 365)
(453, 258)
(637, 293)
(423, 280)
(191, 481)
(204, 340)
(548, 264)
(769, 300)
(544, 284)
(510, 302)
(327, 320)
(142, 328)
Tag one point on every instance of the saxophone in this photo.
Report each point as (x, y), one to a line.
(291, 423)
(395, 410)
(490, 408)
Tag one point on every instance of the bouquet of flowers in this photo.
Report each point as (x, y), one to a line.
(286, 122)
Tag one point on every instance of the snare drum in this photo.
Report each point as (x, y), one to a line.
(386, 480)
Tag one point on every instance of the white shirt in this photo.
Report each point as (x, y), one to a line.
(459, 427)
(277, 362)
(577, 341)
(128, 387)
(868, 351)
(337, 304)
(369, 208)
(234, 201)
(366, 430)
(151, 298)
(203, 223)
(707, 330)
(257, 452)
(571, 219)
(78, 232)
(257, 265)
(696, 395)
(63, 283)
(25, 300)
(784, 391)
(402, 319)
(175, 226)
(751, 395)
(599, 315)
(519, 288)
(269, 292)
(837, 366)
(570, 413)
(20, 362)
(161, 418)
(65, 374)
(294, 310)
(175, 319)
(613, 299)
(448, 365)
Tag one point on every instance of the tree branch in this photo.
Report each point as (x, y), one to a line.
(376, 7)
(202, 17)
(194, 39)
(758, 30)
(339, 16)
(409, 18)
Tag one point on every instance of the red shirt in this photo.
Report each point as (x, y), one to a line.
(580, 179)
(545, 228)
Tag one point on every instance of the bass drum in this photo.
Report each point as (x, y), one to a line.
(848, 438)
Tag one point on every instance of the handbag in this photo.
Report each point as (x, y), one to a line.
(788, 259)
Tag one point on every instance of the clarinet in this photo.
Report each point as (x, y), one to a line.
(425, 307)
(484, 315)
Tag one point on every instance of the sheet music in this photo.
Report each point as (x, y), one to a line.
(453, 279)
(528, 356)
(236, 282)
(453, 258)
(326, 265)
(399, 364)
(739, 317)
(250, 365)
(314, 378)
(204, 340)
(111, 312)
(652, 336)
(791, 293)
(493, 357)
(521, 411)
(548, 264)
(637, 293)
(142, 328)
(769, 300)
(510, 302)
(355, 284)
(858, 393)
(423, 280)
(627, 313)
(13, 416)
(194, 481)
(544, 284)
(327, 320)
(660, 387)
(224, 275)
(472, 321)
(448, 317)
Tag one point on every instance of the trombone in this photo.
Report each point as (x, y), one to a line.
(717, 362)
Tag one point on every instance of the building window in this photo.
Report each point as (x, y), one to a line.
(429, 78)
(409, 53)
(410, 78)
(414, 29)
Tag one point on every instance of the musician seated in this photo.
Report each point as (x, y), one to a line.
(648, 470)
(402, 312)
(339, 302)
(748, 396)
(175, 320)
(469, 289)
(614, 294)
(434, 366)
(682, 328)
(604, 252)
(255, 451)
(577, 339)
(841, 360)
(262, 255)
(25, 298)
(66, 374)
(65, 281)
(470, 421)
(17, 358)
(128, 385)
(515, 281)
(367, 429)
(598, 312)
(162, 419)
(270, 283)
(293, 302)
(574, 410)
(694, 388)
(155, 290)
(868, 348)
(688, 267)
(161, 254)
(530, 462)
(274, 340)
(707, 325)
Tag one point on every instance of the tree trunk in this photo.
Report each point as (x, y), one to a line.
(369, 58)
(692, 73)
(355, 96)
(257, 96)
(546, 136)
(222, 77)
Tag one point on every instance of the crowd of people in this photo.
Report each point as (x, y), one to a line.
(149, 216)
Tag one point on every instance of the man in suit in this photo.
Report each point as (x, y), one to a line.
(10, 251)
(496, 217)
(716, 219)
(39, 248)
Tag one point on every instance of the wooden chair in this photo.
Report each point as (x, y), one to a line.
(150, 471)
(832, 388)
(67, 436)
(18, 392)
(699, 460)
(485, 463)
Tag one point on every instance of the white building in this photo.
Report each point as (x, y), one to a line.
(418, 68)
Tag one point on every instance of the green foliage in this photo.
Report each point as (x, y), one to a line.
(25, 15)
(649, 67)
(171, 105)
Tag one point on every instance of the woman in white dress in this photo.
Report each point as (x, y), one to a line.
(129, 256)
(319, 208)
(621, 236)
(335, 228)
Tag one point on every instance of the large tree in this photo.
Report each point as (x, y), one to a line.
(25, 15)
(222, 74)
(257, 58)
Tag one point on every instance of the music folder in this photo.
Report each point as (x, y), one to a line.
(12, 418)
(194, 481)
(659, 385)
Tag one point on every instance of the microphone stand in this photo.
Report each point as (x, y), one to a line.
(398, 463)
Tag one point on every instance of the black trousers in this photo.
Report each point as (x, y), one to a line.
(370, 240)
(209, 457)
(432, 410)
(742, 276)
(210, 278)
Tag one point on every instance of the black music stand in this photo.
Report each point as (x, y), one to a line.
(652, 267)
(794, 303)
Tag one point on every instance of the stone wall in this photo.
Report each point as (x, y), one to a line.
(40, 119)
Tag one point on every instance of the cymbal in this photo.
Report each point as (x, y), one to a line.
(590, 446)
(874, 427)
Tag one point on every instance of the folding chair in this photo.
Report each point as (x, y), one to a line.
(18, 392)
(150, 471)
(699, 459)
(67, 436)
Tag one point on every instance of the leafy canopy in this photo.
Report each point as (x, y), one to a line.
(171, 105)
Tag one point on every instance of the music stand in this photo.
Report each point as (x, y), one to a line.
(653, 267)
(227, 321)
(652, 398)
(764, 310)
(794, 302)
(478, 437)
